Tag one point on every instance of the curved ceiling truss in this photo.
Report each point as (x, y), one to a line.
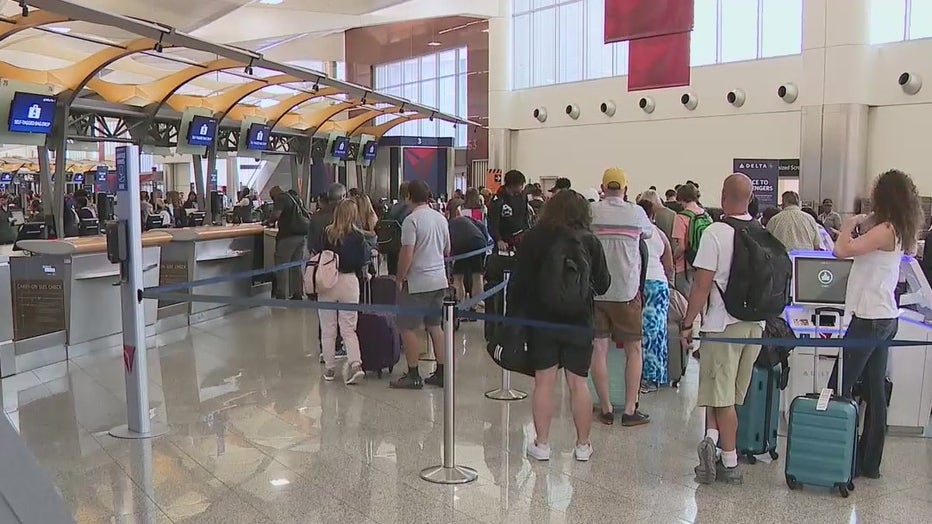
(380, 130)
(225, 104)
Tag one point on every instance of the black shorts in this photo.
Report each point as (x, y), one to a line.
(469, 266)
(548, 348)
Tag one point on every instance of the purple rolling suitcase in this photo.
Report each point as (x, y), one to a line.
(379, 340)
(383, 290)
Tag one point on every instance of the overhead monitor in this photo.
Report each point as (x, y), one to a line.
(202, 130)
(102, 173)
(6, 178)
(820, 281)
(370, 149)
(78, 178)
(258, 137)
(32, 113)
(340, 147)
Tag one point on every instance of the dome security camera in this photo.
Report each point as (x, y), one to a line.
(736, 97)
(690, 101)
(788, 92)
(541, 114)
(647, 104)
(572, 111)
(910, 83)
(608, 108)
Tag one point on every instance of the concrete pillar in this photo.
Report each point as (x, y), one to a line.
(500, 73)
(837, 63)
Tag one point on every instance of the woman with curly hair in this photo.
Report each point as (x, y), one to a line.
(876, 242)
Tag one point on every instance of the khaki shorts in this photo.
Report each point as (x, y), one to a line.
(620, 321)
(725, 369)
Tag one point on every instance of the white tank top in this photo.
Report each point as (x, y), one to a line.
(871, 284)
(654, 253)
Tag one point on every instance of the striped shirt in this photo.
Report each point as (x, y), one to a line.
(619, 226)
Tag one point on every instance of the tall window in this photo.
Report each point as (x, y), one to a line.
(435, 80)
(557, 41)
(898, 20)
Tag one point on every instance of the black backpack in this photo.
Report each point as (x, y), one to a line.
(300, 222)
(388, 232)
(759, 283)
(770, 356)
(566, 278)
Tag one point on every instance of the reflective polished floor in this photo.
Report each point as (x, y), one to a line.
(257, 437)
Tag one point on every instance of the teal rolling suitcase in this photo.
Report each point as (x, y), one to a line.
(616, 379)
(759, 417)
(821, 443)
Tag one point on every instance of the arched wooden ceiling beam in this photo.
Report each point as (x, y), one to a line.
(279, 110)
(277, 113)
(17, 24)
(351, 125)
(314, 121)
(380, 130)
(74, 77)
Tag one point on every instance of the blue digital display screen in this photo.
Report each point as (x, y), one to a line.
(202, 130)
(32, 113)
(340, 147)
(6, 178)
(78, 178)
(102, 172)
(370, 150)
(258, 137)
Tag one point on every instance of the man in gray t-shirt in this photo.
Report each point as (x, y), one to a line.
(422, 282)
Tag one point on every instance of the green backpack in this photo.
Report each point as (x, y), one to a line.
(697, 225)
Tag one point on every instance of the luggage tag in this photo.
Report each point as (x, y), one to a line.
(824, 396)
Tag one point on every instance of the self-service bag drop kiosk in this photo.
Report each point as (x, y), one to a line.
(820, 283)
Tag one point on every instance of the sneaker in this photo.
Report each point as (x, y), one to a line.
(606, 418)
(356, 374)
(648, 387)
(435, 379)
(407, 381)
(330, 374)
(705, 471)
(340, 353)
(728, 475)
(539, 452)
(583, 452)
(635, 419)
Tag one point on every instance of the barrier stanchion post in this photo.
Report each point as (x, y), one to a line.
(129, 234)
(505, 391)
(449, 472)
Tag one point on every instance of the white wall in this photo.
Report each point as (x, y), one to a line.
(666, 147)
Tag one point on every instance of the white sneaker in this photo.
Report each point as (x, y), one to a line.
(583, 452)
(356, 374)
(538, 452)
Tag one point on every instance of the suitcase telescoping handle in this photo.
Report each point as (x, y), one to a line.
(839, 315)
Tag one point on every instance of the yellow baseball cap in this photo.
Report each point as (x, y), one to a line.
(615, 175)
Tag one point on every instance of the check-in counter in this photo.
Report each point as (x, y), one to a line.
(7, 352)
(199, 253)
(66, 299)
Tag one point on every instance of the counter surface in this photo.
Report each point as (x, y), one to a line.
(195, 234)
(86, 245)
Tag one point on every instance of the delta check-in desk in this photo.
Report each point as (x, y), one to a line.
(65, 299)
(199, 253)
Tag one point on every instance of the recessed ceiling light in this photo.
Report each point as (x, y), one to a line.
(279, 482)
(486, 30)
(271, 2)
(59, 29)
(434, 43)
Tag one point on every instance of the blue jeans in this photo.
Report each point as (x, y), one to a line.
(868, 364)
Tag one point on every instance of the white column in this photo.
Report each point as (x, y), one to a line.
(835, 91)
(500, 72)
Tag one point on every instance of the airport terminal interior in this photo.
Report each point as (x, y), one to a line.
(157, 365)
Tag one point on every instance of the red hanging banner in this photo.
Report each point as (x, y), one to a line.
(660, 61)
(633, 19)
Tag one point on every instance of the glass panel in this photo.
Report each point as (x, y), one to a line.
(341, 70)
(520, 6)
(411, 70)
(620, 67)
(428, 127)
(598, 55)
(410, 92)
(739, 30)
(447, 102)
(920, 19)
(544, 65)
(888, 21)
(463, 61)
(394, 74)
(461, 133)
(429, 66)
(542, 3)
(448, 62)
(462, 109)
(380, 80)
(522, 52)
(429, 93)
(571, 42)
(703, 41)
(781, 28)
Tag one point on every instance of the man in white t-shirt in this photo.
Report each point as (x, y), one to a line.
(724, 368)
